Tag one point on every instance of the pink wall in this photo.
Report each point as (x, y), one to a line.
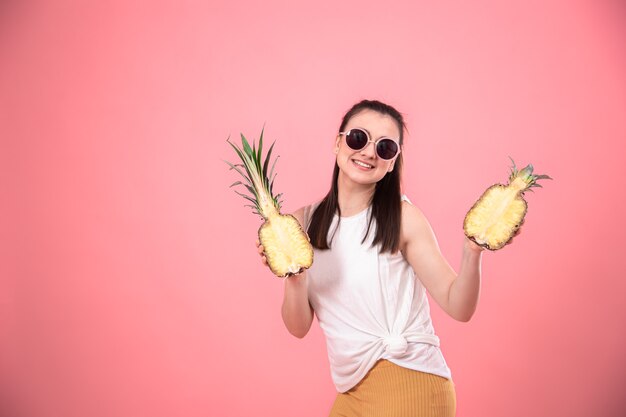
(129, 283)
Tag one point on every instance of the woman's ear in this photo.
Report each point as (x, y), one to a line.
(391, 166)
(337, 144)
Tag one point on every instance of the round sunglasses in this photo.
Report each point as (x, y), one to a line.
(358, 139)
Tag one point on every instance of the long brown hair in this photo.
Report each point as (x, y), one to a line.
(386, 201)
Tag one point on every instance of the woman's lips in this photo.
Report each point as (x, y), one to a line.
(362, 165)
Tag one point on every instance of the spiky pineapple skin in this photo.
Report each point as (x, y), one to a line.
(478, 205)
(274, 254)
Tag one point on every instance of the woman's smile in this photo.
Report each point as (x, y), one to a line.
(362, 165)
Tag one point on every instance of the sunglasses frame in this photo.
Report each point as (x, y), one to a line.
(369, 139)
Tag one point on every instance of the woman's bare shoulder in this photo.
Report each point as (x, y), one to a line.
(414, 222)
(411, 212)
(299, 215)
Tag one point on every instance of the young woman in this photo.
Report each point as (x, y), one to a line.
(375, 257)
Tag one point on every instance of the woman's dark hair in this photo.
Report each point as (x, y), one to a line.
(386, 201)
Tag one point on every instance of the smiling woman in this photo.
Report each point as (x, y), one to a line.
(359, 171)
(376, 258)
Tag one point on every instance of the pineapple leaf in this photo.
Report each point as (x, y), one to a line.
(260, 154)
(273, 166)
(258, 166)
(253, 161)
(235, 167)
(246, 145)
(244, 158)
(267, 159)
(254, 209)
(235, 183)
(277, 201)
(246, 197)
(265, 165)
(254, 169)
(252, 190)
(236, 148)
(240, 153)
(543, 177)
(239, 171)
(272, 184)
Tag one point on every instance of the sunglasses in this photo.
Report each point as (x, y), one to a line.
(358, 139)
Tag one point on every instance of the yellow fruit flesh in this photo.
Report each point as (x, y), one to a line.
(496, 216)
(285, 244)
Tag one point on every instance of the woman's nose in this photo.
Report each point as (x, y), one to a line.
(369, 149)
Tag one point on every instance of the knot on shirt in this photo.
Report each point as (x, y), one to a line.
(395, 345)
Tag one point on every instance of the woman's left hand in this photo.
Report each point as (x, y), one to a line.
(471, 245)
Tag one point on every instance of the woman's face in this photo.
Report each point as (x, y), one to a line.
(365, 166)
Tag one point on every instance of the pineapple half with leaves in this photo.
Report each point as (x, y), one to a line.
(285, 244)
(498, 214)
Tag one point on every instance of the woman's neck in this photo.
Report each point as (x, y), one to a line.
(353, 198)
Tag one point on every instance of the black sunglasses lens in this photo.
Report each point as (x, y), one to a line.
(387, 149)
(356, 139)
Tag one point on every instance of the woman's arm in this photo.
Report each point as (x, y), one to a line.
(296, 311)
(456, 294)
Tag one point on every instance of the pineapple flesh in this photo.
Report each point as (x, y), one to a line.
(286, 246)
(499, 213)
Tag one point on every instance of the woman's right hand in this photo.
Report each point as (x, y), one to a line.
(261, 250)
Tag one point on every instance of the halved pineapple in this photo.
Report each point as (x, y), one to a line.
(286, 245)
(498, 214)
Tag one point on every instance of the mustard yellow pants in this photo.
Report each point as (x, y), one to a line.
(389, 390)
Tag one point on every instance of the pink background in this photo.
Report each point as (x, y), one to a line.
(130, 285)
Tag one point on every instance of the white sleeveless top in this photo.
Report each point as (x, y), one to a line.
(370, 305)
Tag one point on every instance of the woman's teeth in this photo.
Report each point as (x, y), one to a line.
(362, 164)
